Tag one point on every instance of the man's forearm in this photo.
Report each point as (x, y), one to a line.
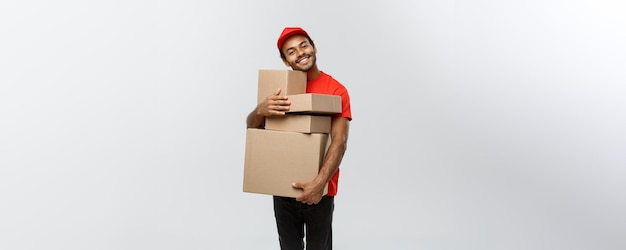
(336, 150)
(255, 120)
(333, 158)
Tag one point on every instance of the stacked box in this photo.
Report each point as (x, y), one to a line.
(315, 104)
(276, 159)
(299, 123)
(290, 82)
(291, 148)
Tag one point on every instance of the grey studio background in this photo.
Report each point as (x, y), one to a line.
(477, 124)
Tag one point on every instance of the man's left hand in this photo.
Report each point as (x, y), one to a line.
(311, 192)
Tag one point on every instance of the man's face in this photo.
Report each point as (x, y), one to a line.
(299, 53)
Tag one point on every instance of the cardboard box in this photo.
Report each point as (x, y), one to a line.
(291, 82)
(276, 159)
(315, 104)
(299, 123)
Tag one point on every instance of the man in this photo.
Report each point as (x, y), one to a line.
(311, 209)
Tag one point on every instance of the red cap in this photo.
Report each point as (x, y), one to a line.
(288, 32)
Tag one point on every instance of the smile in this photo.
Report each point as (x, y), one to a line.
(303, 60)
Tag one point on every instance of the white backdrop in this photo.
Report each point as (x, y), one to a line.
(477, 124)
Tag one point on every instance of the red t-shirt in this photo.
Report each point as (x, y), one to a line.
(326, 84)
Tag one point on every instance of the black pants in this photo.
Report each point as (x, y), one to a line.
(292, 217)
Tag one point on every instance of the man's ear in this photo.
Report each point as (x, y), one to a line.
(286, 63)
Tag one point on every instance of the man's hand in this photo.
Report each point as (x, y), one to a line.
(312, 192)
(273, 105)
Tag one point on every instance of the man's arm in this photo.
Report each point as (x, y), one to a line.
(314, 189)
(255, 119)
(272, 105)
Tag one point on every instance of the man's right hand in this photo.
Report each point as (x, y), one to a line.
(273, 105)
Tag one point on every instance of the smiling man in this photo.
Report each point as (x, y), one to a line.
(311, 210)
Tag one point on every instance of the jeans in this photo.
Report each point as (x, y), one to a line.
(293, 218)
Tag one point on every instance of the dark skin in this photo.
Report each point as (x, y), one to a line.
(300, 54)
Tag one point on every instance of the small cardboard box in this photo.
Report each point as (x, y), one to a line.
(315, 104)
(291, 82)
(276, 159)
(299, 123)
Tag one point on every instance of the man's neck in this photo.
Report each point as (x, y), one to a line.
(313, 73)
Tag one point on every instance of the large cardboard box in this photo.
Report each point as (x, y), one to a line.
(315, 104)
(299, 123)
(291, 82)
(276, 159)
